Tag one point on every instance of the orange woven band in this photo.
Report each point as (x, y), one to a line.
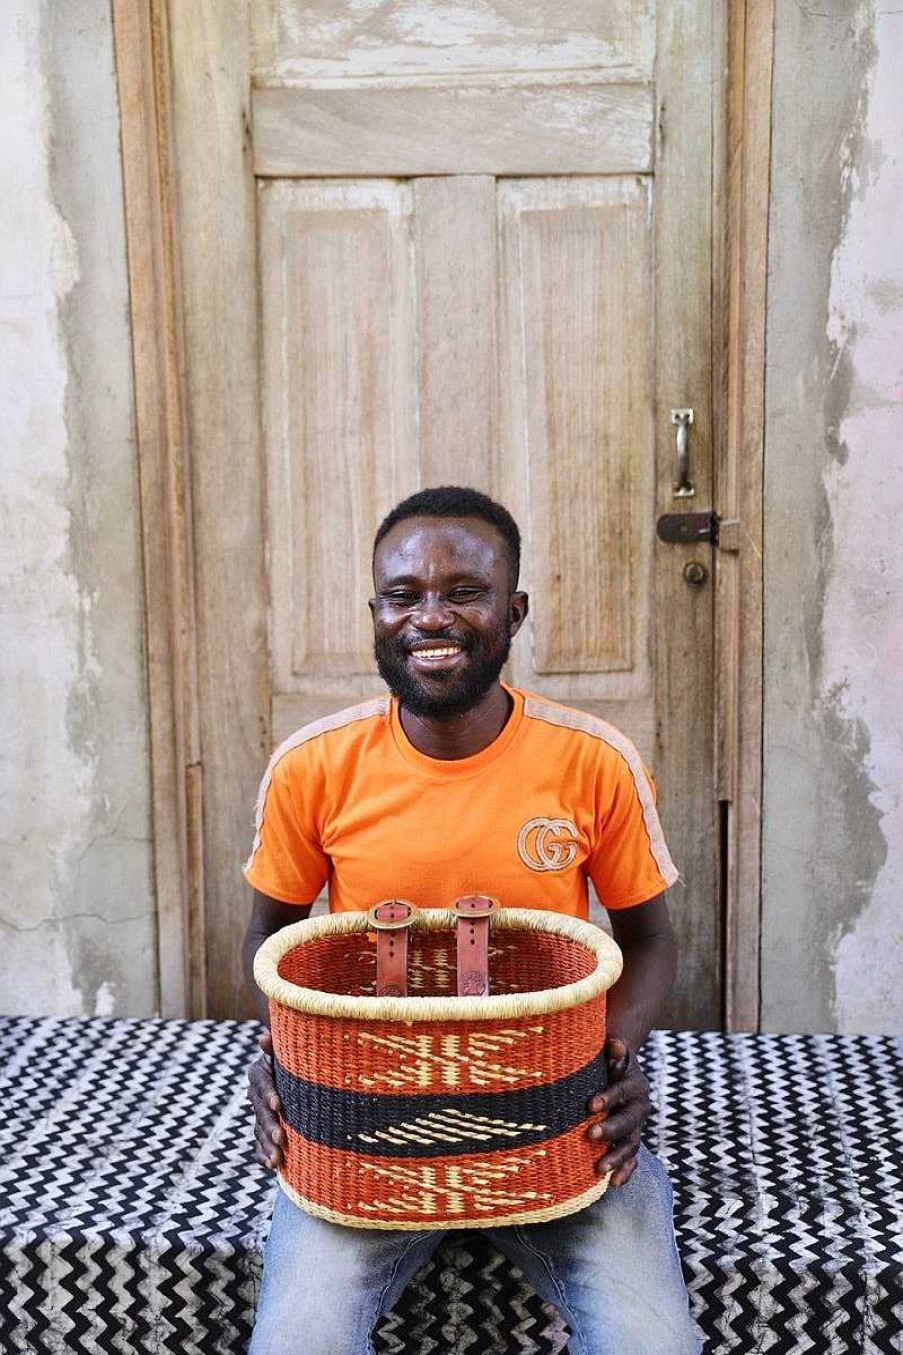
(474, 1056)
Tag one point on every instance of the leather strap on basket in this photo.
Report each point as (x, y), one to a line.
(391, 920)
(474, 912)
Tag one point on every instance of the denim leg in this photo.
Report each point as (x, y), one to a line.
(325, 1287)
(612, 1270)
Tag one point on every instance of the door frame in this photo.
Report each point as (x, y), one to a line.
(742, 198)
(193, 345)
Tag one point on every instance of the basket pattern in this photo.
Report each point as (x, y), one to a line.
(433, 1110)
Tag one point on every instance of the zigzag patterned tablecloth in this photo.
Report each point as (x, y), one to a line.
(132, 1215)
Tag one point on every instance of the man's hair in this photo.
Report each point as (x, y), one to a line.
(458, 501)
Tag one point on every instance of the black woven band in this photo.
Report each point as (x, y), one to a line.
(437, 1125)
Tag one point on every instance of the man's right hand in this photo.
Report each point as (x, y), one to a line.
(268, 1133)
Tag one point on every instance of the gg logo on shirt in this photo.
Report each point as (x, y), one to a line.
(547, 844)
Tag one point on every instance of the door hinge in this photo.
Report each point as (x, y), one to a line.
(689, 529)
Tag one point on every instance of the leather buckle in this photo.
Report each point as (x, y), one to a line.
(385, 917)
(476, 905)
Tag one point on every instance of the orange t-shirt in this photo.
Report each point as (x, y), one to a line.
(558, 797)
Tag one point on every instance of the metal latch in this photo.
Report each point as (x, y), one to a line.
(689, 529)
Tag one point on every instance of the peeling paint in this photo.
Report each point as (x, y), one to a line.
(369, 38)
(863, 618)
(105, 1001)
(75, 860)
(825, 840)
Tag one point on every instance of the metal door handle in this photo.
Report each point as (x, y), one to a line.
(683, 489)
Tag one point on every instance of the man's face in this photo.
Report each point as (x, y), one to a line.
(443, 614)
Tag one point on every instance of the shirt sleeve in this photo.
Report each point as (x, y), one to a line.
(630, 862)
(287, 860)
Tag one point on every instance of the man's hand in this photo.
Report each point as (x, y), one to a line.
(267, 917)
(268, 1133)
(624, 1107)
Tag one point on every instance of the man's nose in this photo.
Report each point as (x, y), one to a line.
(433, 612)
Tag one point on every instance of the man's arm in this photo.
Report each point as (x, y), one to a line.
(267, 916)
(649, 946)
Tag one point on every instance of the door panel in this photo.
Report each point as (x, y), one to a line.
(339, 416)
(350, 39)
(476, 129)
(579, 442)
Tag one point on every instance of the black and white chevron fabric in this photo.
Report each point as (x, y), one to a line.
(132, 1215)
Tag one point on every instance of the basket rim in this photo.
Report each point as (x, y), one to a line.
(502, 1006)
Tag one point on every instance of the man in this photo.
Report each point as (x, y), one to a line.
(434, 794)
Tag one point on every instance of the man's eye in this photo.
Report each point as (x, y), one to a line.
(464, 594)
(399, 599)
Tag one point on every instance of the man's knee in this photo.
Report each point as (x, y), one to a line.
(644, 1207)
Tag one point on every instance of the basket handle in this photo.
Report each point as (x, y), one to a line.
(474, 912)
(391, 920)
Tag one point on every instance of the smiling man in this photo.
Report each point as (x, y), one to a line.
(456, 784)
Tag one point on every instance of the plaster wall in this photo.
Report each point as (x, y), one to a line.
(832, 919)
(77, 918)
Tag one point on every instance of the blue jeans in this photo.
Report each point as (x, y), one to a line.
(611, 1270)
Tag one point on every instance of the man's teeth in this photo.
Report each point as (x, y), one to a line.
(438, 653)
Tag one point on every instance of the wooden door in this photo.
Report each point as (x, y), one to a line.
(424, 244)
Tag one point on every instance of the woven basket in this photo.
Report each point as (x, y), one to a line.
(433, 1110)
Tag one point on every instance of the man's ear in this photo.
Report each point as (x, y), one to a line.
(518, 607)
(371, 603)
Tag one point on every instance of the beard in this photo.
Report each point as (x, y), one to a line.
(442, 695)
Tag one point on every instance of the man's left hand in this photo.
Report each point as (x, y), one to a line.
(624, 1107)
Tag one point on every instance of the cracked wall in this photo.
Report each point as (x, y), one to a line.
(77, 916)
(832, 921)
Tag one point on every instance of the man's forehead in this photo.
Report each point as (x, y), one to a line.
(421, 538)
